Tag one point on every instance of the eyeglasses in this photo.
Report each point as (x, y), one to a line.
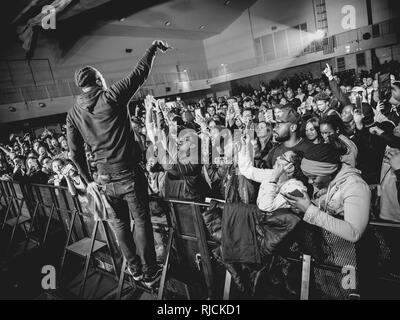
(278, 124)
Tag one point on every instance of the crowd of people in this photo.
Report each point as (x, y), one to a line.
(326, 150)
(353, 128)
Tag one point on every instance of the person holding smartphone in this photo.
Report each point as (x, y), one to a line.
(344, 208)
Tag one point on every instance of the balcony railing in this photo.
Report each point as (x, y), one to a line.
(55, 89)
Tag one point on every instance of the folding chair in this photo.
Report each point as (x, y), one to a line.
(20, 213)
(86, 247)
(42, 200)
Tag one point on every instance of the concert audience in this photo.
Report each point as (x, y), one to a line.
(189, 155)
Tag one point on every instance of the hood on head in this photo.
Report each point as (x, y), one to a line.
(88, 100)
(345, 172)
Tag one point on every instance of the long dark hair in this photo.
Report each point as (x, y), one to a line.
(315, 121)
(298, 173)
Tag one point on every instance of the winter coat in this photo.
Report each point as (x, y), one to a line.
(348, 197)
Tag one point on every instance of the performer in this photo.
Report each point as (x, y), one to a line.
(100, 118)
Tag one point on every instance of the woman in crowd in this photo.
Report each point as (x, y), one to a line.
(35, 173)
(47, 166)
(19, 171)
(311, 130)
(58, 178)
(344, 209)
(263, 142)
(331, 128)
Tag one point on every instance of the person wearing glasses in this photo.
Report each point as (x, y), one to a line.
(287, 133)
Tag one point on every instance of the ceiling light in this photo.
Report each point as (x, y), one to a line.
(167, 23)
(122, 19)
(202, 26)
(227, 2)
(42, 105)
(185, 70)
(11, 109)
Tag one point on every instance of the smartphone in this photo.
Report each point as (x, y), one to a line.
(236, 108)
(65, 171)
(197, 113)
(384, 86)
(296, 193)
(359, 103)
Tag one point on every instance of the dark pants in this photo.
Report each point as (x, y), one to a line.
(127, 193)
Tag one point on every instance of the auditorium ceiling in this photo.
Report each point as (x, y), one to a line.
(184, 19)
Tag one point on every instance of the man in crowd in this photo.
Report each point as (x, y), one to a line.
(287, 131)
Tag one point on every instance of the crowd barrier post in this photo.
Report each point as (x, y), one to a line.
(305, 277)
(227, 285)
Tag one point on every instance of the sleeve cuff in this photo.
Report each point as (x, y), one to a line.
(311, 214)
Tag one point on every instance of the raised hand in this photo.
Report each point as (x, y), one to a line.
(357, 117)
(376, 130)
(163, 46)
(328, 71)
(148, 102)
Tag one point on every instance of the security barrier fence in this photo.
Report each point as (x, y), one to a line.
(311, 263)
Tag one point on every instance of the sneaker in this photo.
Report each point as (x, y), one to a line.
(152, 275)
(135, 272)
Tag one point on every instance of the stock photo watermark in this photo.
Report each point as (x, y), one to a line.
(49, 279)
(49, 20)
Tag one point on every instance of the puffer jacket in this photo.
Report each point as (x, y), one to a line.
(344, 209)
(271, 231)
(271, 228)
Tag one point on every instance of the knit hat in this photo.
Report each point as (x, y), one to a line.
(320, 160)
(323, 153)
(85, 77)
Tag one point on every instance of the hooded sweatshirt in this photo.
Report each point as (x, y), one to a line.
(101, 119)
(348, 197)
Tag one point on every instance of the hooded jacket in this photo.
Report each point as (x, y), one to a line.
(348, 197)
(350, 157)
(100, 118)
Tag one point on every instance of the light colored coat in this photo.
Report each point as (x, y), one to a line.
(348, 196)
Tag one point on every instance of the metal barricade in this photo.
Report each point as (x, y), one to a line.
(338, 269)
(17, 213)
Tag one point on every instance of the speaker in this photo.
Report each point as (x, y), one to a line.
(366, 36)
